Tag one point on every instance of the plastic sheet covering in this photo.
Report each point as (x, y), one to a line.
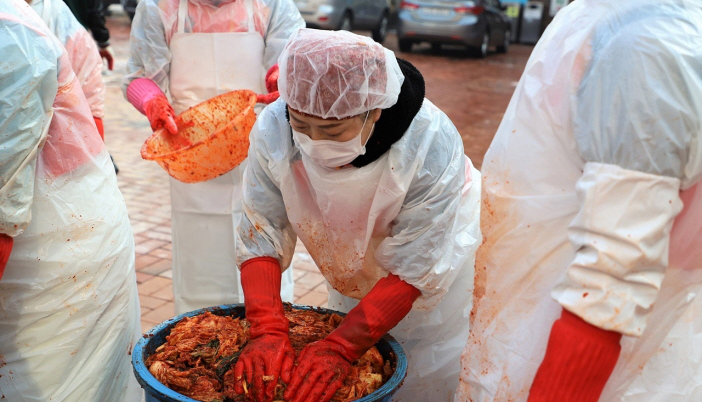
(413, 212)
(82, 51)
(583, 184)
(155, 23)
(69, 309)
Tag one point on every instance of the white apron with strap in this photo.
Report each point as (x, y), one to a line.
(46, 15)
(205, 215)
(342, 231)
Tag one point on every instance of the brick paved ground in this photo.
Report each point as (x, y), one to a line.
(473, 93)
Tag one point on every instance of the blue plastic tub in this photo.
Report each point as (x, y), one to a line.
(157, 392)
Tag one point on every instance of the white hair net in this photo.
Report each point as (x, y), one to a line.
(337, 74)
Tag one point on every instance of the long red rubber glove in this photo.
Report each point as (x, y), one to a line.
(148, 98)
(271, 86)
(6, 243)
(579, 360)
(272, 79)
(100, 127)
(269, 352)
(324, 365)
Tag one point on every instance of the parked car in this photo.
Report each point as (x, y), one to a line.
(370, 15)
(477, 24)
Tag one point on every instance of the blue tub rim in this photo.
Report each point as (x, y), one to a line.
(149, 383)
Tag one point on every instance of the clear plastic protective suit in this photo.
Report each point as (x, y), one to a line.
(413, 212)
(81, 48)
(69, 309)
(337, 74)
(195, 50)
(592, 203)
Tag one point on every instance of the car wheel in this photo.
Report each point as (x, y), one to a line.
(482, 50)
(345, 24)
(436, 47)
(405, 45)
(505, 44)
(381, 31)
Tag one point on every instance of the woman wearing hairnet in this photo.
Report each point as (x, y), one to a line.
(82, 52)
(69, 308)
(193, 50)
(373, 179)
(587, 285)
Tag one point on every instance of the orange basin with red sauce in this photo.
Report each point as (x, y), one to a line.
(212, 139)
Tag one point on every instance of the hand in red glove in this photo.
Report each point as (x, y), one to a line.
(272, 79)
(269, 352)
(106, 53)
(271, 87)
(161, 114)
(267, 99)
(148, 98)
(6, 243)
(579, 360)
(100, 127)
(324, 365)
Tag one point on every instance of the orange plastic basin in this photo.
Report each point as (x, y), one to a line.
(212, 139)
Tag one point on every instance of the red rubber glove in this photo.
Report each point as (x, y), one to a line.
(579, 360)
(272, 79)
(324, 365)
(6, 243)
(148, 98)
(267, 99)
(161, 114)
(100, 127)
(106, 53)
(269, 352)
(271, 86)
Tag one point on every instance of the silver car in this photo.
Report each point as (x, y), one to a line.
(372, 15)
(477, 24)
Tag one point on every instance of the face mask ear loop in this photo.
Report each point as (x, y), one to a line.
(370, 134)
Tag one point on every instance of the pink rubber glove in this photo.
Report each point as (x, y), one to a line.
(269, 352)
(6, 243)
(579, 360)
(323, 365)
(148, 98)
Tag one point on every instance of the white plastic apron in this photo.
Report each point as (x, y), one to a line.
(205, 215)
(342, 237)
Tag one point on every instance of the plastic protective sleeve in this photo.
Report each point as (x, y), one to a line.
(621, 235)
(28, 86)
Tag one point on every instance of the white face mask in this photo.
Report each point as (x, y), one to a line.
(332, 154)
